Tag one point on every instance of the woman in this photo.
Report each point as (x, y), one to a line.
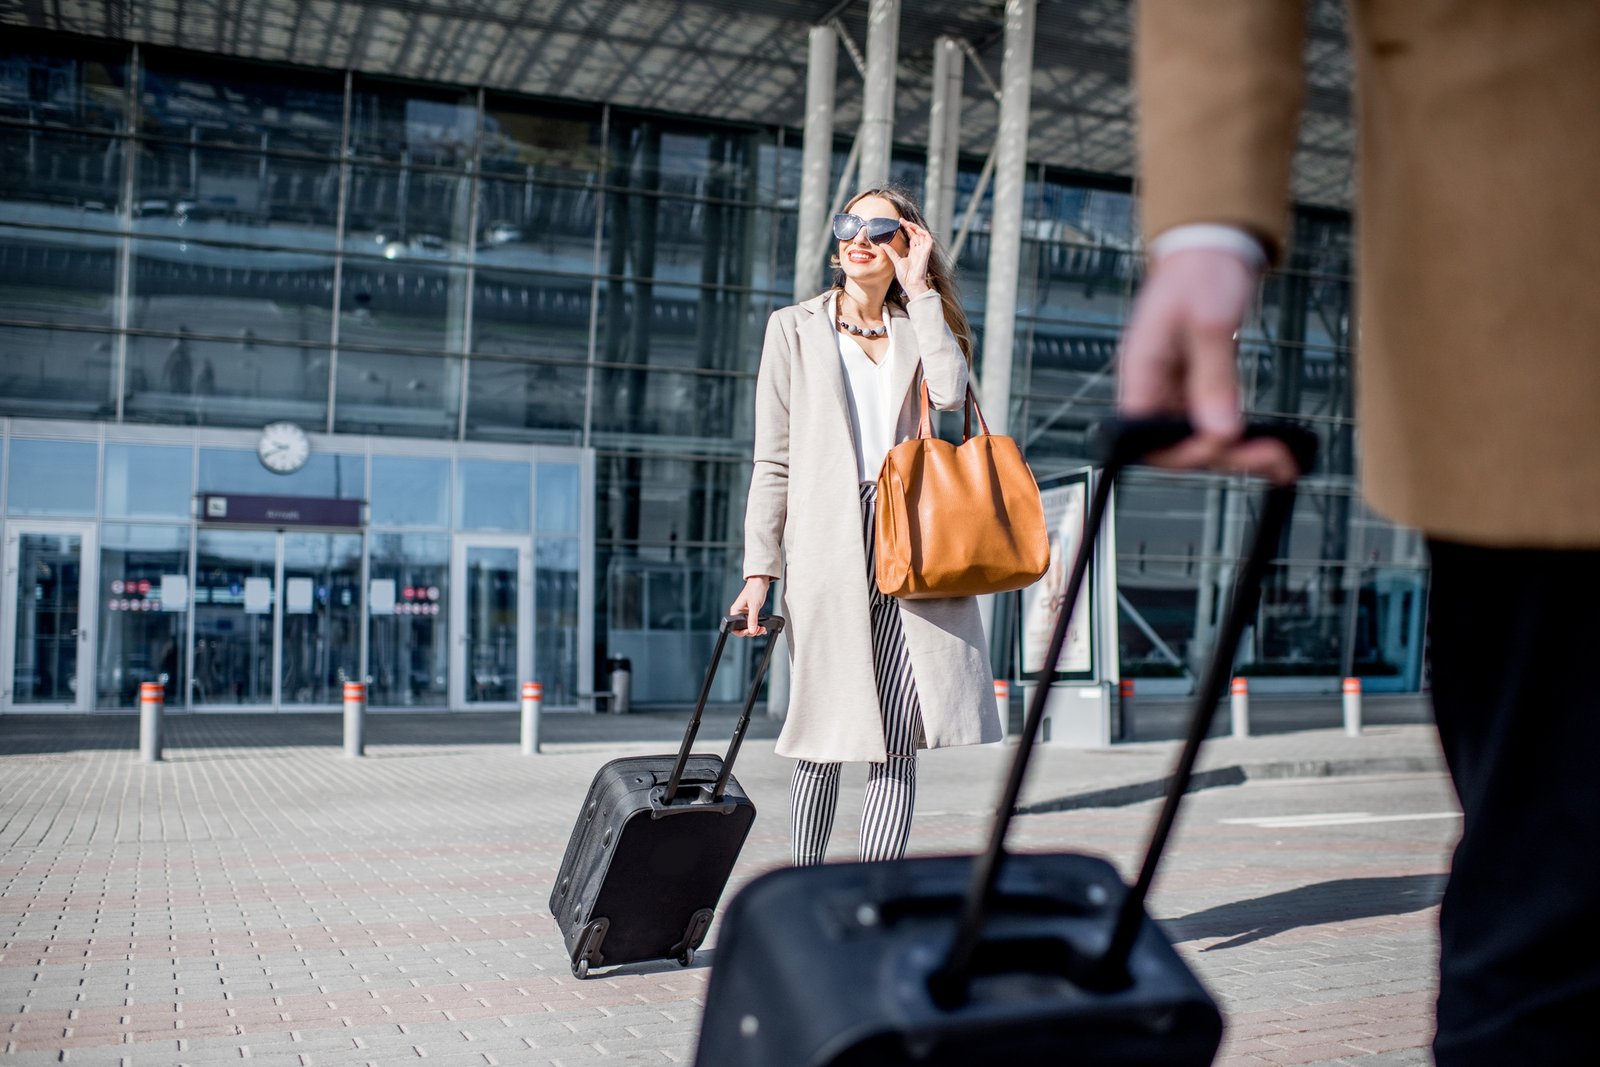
(873, 678)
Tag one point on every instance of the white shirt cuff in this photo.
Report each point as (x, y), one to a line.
(1218, 236)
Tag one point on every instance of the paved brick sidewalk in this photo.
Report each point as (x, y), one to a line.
(259, 896)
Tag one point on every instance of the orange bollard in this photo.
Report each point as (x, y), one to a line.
(1240, 707)
(1125, 710)
(1352, 707)
(152, 699)
(355, 715)
(532, 700)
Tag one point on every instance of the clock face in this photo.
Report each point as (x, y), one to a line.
(284, 447)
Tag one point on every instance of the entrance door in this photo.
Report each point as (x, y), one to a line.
(491, 612)
(47, 651)
(321, 617)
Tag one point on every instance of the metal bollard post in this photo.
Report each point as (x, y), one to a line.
(1352, 707)
(532, 699)
(355, 716)
(1241, 708)
(152, 697)
(1002, 702)
(1125, 708)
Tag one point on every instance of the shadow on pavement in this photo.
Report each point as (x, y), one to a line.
(1342, 900)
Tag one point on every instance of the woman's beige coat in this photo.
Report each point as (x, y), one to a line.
(804, 510)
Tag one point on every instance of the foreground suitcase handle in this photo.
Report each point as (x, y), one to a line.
(1124, 442)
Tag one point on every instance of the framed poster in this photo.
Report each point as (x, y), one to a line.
(1066, 501)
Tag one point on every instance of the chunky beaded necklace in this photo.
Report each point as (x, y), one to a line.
(862, 331)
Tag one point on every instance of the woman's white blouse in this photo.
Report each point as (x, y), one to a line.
(873, 412)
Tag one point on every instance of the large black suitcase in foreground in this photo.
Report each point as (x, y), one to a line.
(654, 844)
(964, 960)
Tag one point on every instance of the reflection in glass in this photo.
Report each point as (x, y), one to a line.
(663, 607)
(559, 498)
(48, 592)
(60, 278)
(408, 656)
(530, 314)
(492, 495)
(51, 477)
(140, 639)
(148, 481)
(234, 599)
(52, 373)
(403, 304)
(53, 178)
(555, 624)
(409, 124)
(241, 293)
(224, 383)
(1391, 611)
(491, 624)
(327, 474)
(526, 223)
(410, 491)
(222, 195)
(525, 402)
(80, 83)
(210, 100)
(548, 139)
(321, 616)
(406, 213)
(667, 501)
(414, 396)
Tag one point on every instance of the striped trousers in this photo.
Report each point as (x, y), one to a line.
(891, 785)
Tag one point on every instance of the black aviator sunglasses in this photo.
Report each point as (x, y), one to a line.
(879, 231)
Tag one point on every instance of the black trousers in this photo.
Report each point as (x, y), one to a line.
(1515, 643)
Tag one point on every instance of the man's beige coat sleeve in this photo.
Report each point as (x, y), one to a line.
(1220, 84)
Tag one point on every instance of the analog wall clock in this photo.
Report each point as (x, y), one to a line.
(283, 448)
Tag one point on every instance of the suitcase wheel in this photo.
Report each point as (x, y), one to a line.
(686, 957)
(580, 969)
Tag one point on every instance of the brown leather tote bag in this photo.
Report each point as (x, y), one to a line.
(958, 520)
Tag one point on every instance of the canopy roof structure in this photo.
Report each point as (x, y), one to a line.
(737, 60)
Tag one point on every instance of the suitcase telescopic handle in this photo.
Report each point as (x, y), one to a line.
(774, 625)
(1126, 442)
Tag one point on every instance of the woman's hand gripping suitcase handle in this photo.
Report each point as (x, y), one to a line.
(751, 599)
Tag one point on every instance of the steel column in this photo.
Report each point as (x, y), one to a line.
(816, 158)
(944, 137)
(877, 104)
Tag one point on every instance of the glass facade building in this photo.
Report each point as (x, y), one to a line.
(524, 333)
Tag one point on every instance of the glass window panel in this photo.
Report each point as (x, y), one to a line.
(60, 278)
(707, 412)
(525, 402)
(409, 654)
(139, 641)
(544, 139)
(1391, 612)
(239, 293)
(414, 396)
(51, 477)
(1058, 433)
(407, 213)
(185, 191)
(555, 641)
(666, 501)
(224, 383)
(407, 123)
(1299, 630)
(215, 100)
(523, 222)
(47, 373)
(41, 82)
(530, 314)
(403, 304)
(322, 638)
(708, 329)
(560, 499)
(233, 634)
(688, 241)
(410, 491)
(326, 474)
(492, 495)
(52, 178)
(148, 481)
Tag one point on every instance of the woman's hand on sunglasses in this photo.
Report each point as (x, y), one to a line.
(912, 268)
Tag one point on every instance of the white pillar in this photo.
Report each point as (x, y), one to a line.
(944, 138)
(816, 159)
(877, 102)
(1005, 230)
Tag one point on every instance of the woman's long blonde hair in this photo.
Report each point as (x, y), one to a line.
(941, 272)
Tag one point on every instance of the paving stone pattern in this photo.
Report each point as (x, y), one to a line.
(258, 896)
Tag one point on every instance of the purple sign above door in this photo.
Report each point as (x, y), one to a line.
(239, 509)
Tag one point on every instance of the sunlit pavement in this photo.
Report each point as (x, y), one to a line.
(258, 895)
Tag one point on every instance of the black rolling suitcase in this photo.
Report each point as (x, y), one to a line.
(654, 844)
(964, 960)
